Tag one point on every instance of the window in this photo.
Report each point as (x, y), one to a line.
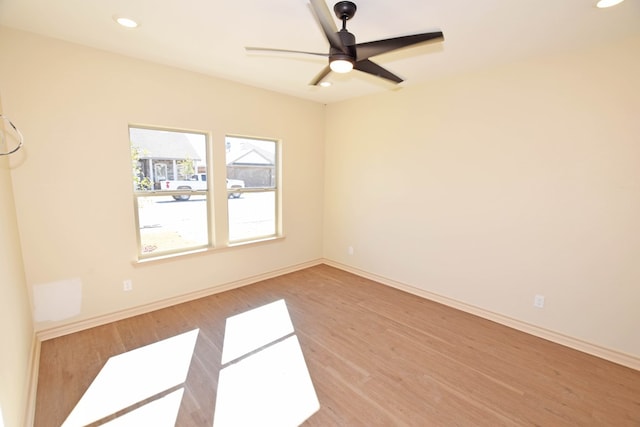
(170, 190)
(252, 188)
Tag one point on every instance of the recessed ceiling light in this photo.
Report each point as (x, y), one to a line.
(325, 84)
(607, 3)
(125, 22)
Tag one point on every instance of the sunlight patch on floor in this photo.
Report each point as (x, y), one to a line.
(255, 328)
(132, 377)
(265, 380)
(161, 412)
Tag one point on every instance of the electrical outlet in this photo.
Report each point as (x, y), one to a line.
(127, 285)
(538, 301)
(350, 250)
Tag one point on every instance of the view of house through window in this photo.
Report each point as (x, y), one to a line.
(252, 187)
(170, 190)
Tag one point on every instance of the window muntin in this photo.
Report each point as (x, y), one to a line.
(252, 188)
(170, 190)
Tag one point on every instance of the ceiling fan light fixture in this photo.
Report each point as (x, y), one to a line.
(341, 65)
(325, 84)
(607, 3)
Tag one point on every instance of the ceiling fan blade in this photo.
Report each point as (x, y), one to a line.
(266, 49)
(317, 79)
(371, 67)
(323, 15)
(378, 47)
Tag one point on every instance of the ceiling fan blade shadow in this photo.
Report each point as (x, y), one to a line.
(317, 79)
(378, 47)
(267, 49)
(323, 15)
(372, 68)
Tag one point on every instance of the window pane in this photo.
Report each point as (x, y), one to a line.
(168, 160)
(251, 188)
(163, 161)
(252, 162)
(252, 216)
(167, 225)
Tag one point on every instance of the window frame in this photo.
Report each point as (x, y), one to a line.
(217, 214)
(276, 189)
(152, 193)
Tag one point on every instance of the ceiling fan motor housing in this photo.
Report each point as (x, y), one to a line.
(349, 41)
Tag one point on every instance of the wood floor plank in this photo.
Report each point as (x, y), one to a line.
(376, 357)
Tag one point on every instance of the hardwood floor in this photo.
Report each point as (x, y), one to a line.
(375, 356)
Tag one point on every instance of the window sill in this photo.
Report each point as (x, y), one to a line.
(198, 252)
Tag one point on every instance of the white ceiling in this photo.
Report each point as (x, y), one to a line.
(209, 36)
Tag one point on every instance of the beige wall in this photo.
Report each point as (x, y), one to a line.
(16, 327)
(492, 187)
(73, 193)
(487, 188)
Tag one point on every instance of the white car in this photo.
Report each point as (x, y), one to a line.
(198, 182)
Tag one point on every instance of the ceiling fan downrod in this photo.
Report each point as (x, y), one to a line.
(344, 11)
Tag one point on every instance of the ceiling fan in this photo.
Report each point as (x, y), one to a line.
(344, 54)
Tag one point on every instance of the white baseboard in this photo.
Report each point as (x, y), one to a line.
(69, 328)
(32, 381)
(615, 356)
(577, 344)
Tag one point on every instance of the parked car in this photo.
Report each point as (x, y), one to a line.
(198, 182)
